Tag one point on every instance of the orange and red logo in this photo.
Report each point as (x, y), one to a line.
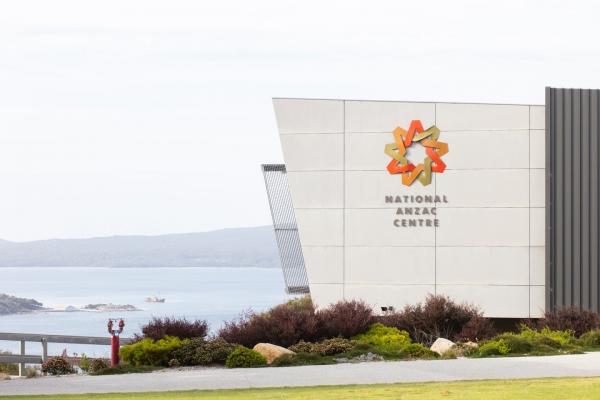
(433, 148)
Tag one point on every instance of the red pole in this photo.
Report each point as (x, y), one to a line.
(114, 354)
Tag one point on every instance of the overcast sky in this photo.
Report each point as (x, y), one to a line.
(153, 117)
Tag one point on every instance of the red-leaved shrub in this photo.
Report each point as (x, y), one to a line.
(283, 325)
(440, 317)
(476, 329)
(572, 318)
(345, 319)
(158, 328)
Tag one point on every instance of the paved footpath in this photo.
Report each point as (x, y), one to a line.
(340, 374)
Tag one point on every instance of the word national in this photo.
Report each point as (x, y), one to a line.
(418, 211)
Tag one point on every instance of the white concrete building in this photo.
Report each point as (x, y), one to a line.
(485, 240)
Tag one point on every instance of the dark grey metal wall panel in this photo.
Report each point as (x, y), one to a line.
(286, 230)
(572, 208)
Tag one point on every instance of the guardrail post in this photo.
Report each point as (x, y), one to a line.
(44, 350)
(22, 365)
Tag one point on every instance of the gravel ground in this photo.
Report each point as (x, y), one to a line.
(340, 374)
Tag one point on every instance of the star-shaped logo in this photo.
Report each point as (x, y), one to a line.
(433, 148)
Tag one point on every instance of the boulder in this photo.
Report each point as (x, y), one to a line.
(470, 344)
(271, 351)
(441, 346)
(4, 377)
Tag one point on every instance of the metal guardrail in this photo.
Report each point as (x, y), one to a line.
(23, 358)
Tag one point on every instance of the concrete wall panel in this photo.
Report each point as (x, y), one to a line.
(484, 188)
(313, 152)
(320, 227)
(309, 116)
(324, 264)
(385, 116)
(390, 265)
(495, 301)
(482, 265)
(483, 227)
(458, 117)
(537, 149)
(488, 150)
(328, 184)
(375, 227)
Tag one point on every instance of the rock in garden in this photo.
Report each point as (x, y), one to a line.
(441, 346)
(271, 351)
(4, 377)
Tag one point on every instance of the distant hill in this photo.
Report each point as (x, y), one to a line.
(239, 247)
(13, 305)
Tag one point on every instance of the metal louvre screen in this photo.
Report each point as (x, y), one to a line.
(286, 230)
(572, 198)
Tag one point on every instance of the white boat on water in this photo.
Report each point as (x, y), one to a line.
(154, 299)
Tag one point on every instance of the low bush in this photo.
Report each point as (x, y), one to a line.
(530, 341)
(181, 328)
(327, 347)
(9, 369)
(476, 329)
(384, 337)
(282, 325)
(96, 365)
(57, 366)
(149, 352)
(187, 353)
(125, 369)
(243, 357)
(574, 319)
(201, 352)
(439, 317)
(590, 339)
(497, 347)
(289, 360)
(392, 343)
(345, 319)
(84, 363)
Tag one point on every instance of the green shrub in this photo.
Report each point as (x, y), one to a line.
(591, 338)
(97, 364)
(201, 352)
(384, 338)
(417, 350)
(243, 357)
(530, 341)
(9, 369)
(186, 354)
(494, 348)
(125, 369)
(288, 360)
(218, 349)
(391, 343)
(57, 366)
(149, 352)
(84, 363)
(303, 347)
(327, 347)
(563, 338)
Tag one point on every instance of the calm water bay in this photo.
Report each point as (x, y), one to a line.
(213, 294)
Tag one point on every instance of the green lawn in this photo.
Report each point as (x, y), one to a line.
(534, 389)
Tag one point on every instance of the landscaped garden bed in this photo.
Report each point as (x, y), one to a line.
(296, 333)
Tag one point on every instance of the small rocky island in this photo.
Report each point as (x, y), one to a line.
(15, 305)
(110, 307)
